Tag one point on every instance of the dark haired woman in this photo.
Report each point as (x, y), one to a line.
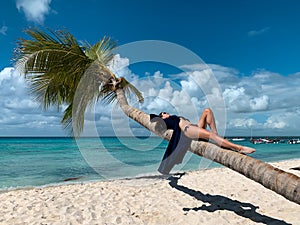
(199, 130)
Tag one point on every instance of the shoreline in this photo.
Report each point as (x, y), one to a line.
(209, 196)
(142, 176)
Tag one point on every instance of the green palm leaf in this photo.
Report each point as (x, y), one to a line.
(130, 89)
(55, 64)
(101, 51)
(110, 96)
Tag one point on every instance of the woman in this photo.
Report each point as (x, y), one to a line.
(199, 131)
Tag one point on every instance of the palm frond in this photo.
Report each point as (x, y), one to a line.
(61, 72)
(50, 51)
(101, 51)
(53, 63)
(85, 96)
(67, 119)
(109, 96)
(130, 89)
(106, 94)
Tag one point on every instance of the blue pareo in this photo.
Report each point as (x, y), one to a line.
(177, 146)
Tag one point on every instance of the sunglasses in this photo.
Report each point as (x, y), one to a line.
(160, 114)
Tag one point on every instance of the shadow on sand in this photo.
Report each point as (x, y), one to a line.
(218, 202)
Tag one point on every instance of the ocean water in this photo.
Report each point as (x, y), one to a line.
(28, 162)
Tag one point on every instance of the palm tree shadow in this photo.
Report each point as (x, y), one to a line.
(218, 202)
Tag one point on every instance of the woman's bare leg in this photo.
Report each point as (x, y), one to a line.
(197, 132)
(207, 118)
(227, 144)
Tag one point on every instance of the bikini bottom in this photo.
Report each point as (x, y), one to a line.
(188, 126)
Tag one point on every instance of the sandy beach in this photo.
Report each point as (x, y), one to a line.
(214, 196)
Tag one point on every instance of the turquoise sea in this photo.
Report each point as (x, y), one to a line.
(27, 162)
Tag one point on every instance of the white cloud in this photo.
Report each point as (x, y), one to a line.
(260, 103)
(239, 101)
(119, 66)
(268, 98)
(275, 124)
(166, 92)
(34, 10)
(243, 123)
(287, 120)
(19, 114)
(3, 30)
(258, 32)
(235, 97)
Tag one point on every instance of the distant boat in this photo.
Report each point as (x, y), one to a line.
(277, 141)
(257, 141)
(238, 139)
(293, 141)
(267, 140)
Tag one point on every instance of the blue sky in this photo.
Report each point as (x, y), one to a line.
(251, 46)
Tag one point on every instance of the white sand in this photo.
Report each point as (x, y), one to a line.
(217, 196)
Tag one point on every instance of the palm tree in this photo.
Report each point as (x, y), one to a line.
(54, 64)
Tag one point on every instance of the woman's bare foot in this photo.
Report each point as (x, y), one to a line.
(246, 150)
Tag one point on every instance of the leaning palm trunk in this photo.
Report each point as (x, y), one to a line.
(279, 181)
